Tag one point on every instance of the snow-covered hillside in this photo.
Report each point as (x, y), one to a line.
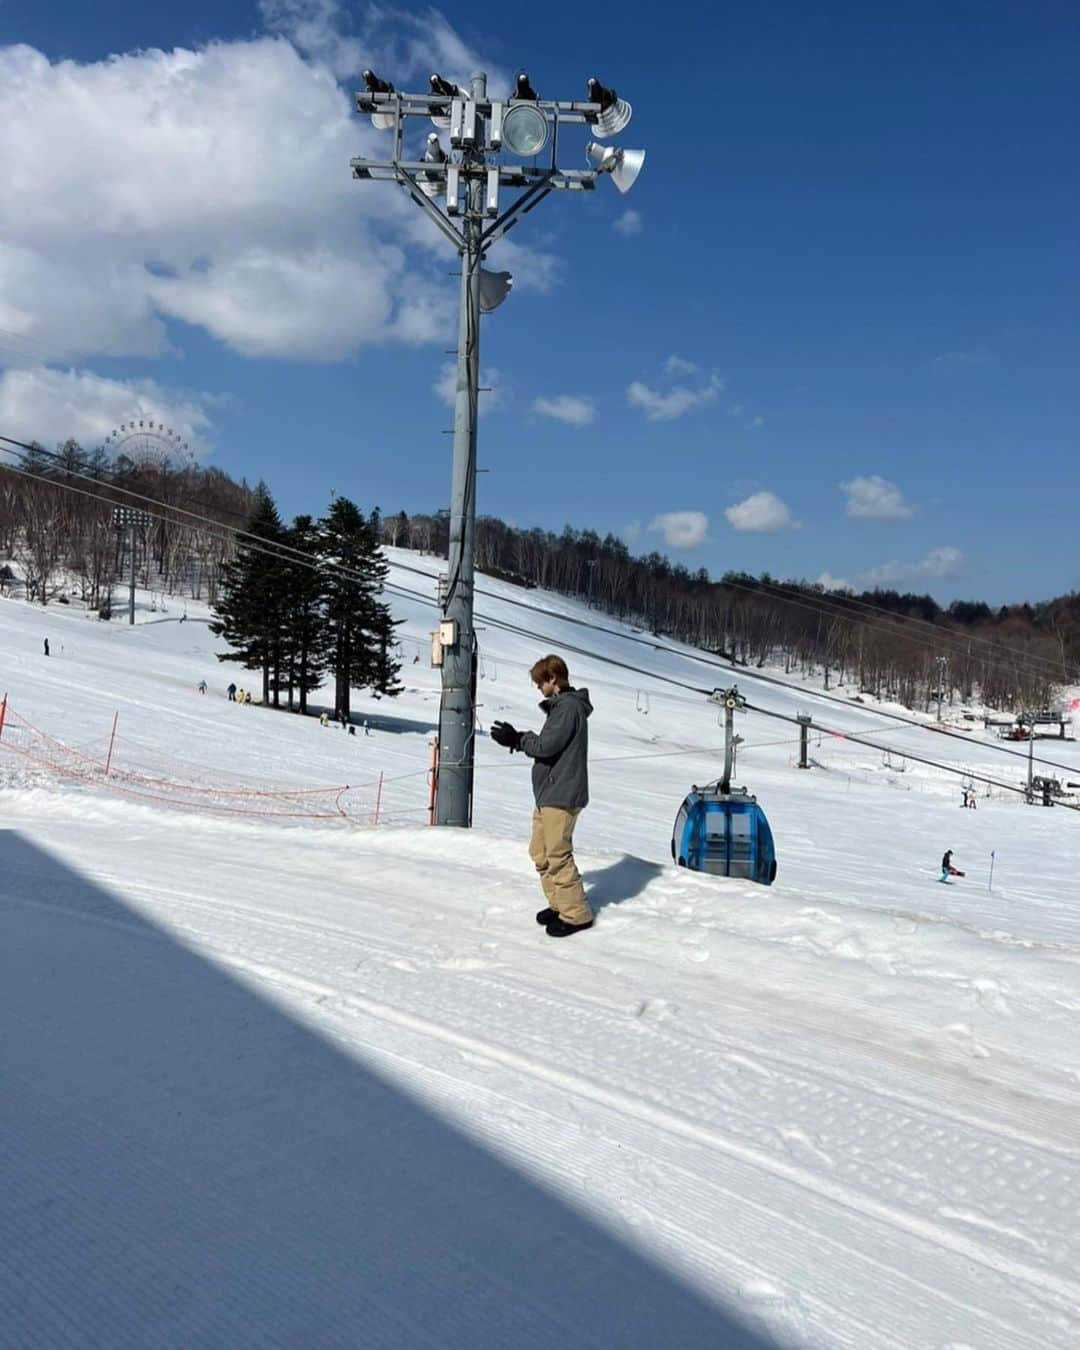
(273, 1076)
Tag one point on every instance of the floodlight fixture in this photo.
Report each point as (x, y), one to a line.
(615, 112)
(381, 121)
(524, 130)
(444, 89)
(494, 288)
(430, 183)
(623, 165)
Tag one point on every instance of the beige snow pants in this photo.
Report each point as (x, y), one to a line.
(552, 851)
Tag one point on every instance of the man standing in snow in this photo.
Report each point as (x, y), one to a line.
(560, 780)
(46, 646)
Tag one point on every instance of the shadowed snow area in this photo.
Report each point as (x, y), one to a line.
(188, 1164)
(270, 1075)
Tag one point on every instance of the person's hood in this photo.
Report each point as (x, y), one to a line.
(582, 696)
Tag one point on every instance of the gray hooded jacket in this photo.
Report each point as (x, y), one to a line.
(560, 776)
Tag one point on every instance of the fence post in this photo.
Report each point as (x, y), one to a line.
(433, 776)
(804, 727)
(3, 714)
(112, 738)
(378, 797)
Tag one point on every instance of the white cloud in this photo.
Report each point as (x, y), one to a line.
(568, 408)
(830, 583)
(665, 407)
(761, 513)
(496, 397)
(50, 405)
(409, 45)
(532, 269)
(318, 28)
(213, 186)
(951, 363)
(756, 422)
(628, 224)
(682, 529)
(679, 365)
(631, 533)
(875, 498)
(943, 561)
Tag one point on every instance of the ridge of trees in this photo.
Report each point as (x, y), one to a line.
(894, 644)
(1015, 657)
(61, 537)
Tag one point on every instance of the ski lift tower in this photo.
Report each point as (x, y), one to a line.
(458, 186)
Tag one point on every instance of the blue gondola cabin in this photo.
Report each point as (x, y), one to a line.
(725, 834)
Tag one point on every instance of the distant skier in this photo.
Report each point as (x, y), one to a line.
(416, 659)
(201, 686)
(947, 869)
(352, 730)
(560, 780)
(247, 697)
(232, 693)
(367, 729)
(324, 720)
(239, 696)
(46, 646)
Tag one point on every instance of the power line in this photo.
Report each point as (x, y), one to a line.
(918, 759)
(889, 624)
(287, 553)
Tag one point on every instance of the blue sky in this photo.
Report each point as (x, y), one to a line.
(830, 333)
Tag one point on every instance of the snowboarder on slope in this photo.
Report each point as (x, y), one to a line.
(947, 869)
(560, 780)
(46, 646)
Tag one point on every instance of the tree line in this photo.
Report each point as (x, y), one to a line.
(898, 646)
(895, 645)
(58, 525)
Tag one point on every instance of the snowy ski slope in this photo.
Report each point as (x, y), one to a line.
(270, 1080)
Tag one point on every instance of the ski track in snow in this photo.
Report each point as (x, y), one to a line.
(845, 1109)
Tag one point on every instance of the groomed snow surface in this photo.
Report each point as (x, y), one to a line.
(273, 1076)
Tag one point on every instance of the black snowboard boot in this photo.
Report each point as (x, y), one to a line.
(545, 916)
(560, 928)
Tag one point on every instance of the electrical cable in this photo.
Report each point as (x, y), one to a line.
(286, 553)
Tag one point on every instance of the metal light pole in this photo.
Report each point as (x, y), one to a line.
(468, 181)
(131, 518)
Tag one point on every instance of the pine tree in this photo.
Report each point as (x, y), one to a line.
(306, 636)
(250, 609)
(359, 627)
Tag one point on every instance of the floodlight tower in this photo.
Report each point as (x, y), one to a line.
(458, 189)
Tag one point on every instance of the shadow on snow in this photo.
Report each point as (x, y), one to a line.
(187, 1165)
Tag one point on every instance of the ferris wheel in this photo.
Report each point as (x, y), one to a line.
(151, 445)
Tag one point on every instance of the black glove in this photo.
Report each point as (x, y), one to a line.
(502, 733)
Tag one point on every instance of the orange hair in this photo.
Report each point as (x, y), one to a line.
(551, 668)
